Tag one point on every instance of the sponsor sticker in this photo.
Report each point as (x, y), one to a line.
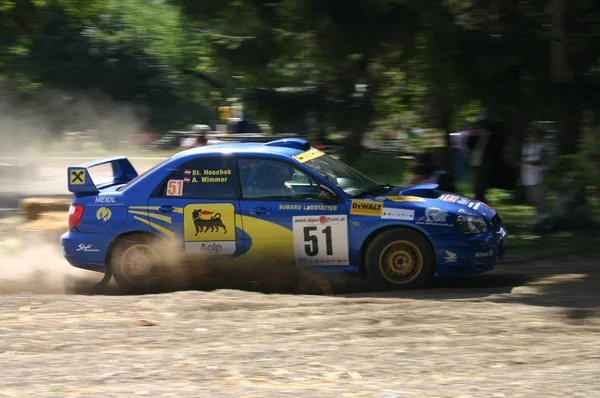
(398, 214)
(77, 177)
(103, 214)
(105, 199)
(366, 208)
(321, 240)
(211, 248)
(86, 248)
(435, 217)
(449, 198)
(450, 257)
(308, 155)
(484, 254)
(209, 228)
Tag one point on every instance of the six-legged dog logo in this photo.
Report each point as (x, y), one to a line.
(203, 224)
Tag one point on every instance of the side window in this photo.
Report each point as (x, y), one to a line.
(202, 178)
(266, 179)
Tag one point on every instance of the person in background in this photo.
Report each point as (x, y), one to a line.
(426, 172)
(201, 141)
(458, 142)
(486, 142)
(534, 164)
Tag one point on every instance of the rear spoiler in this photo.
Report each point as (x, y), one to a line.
(80, 182)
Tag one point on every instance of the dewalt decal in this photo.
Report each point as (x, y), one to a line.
(209, 228)
(366, 208)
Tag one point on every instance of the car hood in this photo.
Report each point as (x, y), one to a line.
(427, 196)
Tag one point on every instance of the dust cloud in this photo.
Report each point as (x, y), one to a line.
(58, 124)
(32, 266)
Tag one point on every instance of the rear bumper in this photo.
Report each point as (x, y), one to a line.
(86, 251)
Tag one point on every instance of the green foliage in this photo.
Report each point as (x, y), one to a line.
(134, 52)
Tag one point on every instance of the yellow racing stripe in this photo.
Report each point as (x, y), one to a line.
(162, 229)
(166, 219)
(144, 207)
(269, 240)
(178, 210)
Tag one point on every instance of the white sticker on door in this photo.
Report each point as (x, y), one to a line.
(321, 240)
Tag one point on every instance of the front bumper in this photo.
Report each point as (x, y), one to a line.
(469, 256)
(86, 251)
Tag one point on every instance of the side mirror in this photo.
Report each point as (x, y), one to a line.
(327, 196)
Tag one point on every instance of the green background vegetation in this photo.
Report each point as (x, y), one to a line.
(355, 66)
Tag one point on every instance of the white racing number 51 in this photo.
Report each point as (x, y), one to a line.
(321, 240)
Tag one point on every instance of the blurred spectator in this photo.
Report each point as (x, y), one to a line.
(426, 172)
(460, 153)
(201, 141)
(535, 158)
(487, 143)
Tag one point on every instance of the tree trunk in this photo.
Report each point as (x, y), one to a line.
(570, 210)
(439, 116)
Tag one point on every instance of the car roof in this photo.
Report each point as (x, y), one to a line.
(285, 148)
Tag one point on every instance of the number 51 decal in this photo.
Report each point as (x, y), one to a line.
(175, 188)
(312, 247)
(321, 240)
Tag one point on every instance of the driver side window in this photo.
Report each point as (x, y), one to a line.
(266, 179)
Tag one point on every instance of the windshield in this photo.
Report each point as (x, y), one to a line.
(345, 177)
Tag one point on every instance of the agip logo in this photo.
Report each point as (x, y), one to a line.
(103, 214)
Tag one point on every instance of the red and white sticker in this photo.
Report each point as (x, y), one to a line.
(175, 188)
(449, 198)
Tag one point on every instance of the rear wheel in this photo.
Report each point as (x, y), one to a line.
(136, 263)
(400, 259)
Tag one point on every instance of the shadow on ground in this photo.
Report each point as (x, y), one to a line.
(573, 284)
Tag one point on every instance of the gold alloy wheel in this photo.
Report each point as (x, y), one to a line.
(401, 262)
(137, 263)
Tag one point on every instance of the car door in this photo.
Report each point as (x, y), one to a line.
(197, 204)
(285, 219)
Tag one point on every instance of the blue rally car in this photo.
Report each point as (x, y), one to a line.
(282, 199)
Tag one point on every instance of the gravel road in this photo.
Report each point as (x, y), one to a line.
(521, 331)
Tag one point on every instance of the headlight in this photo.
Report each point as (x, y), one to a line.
(472, 225)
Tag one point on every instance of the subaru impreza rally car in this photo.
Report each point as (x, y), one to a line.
(284, 199)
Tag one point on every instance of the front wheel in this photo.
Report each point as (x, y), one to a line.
(400, 259)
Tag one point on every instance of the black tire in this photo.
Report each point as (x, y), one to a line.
(400, 259)
(137, 265)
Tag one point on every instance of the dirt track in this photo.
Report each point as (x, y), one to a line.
(524, 330)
